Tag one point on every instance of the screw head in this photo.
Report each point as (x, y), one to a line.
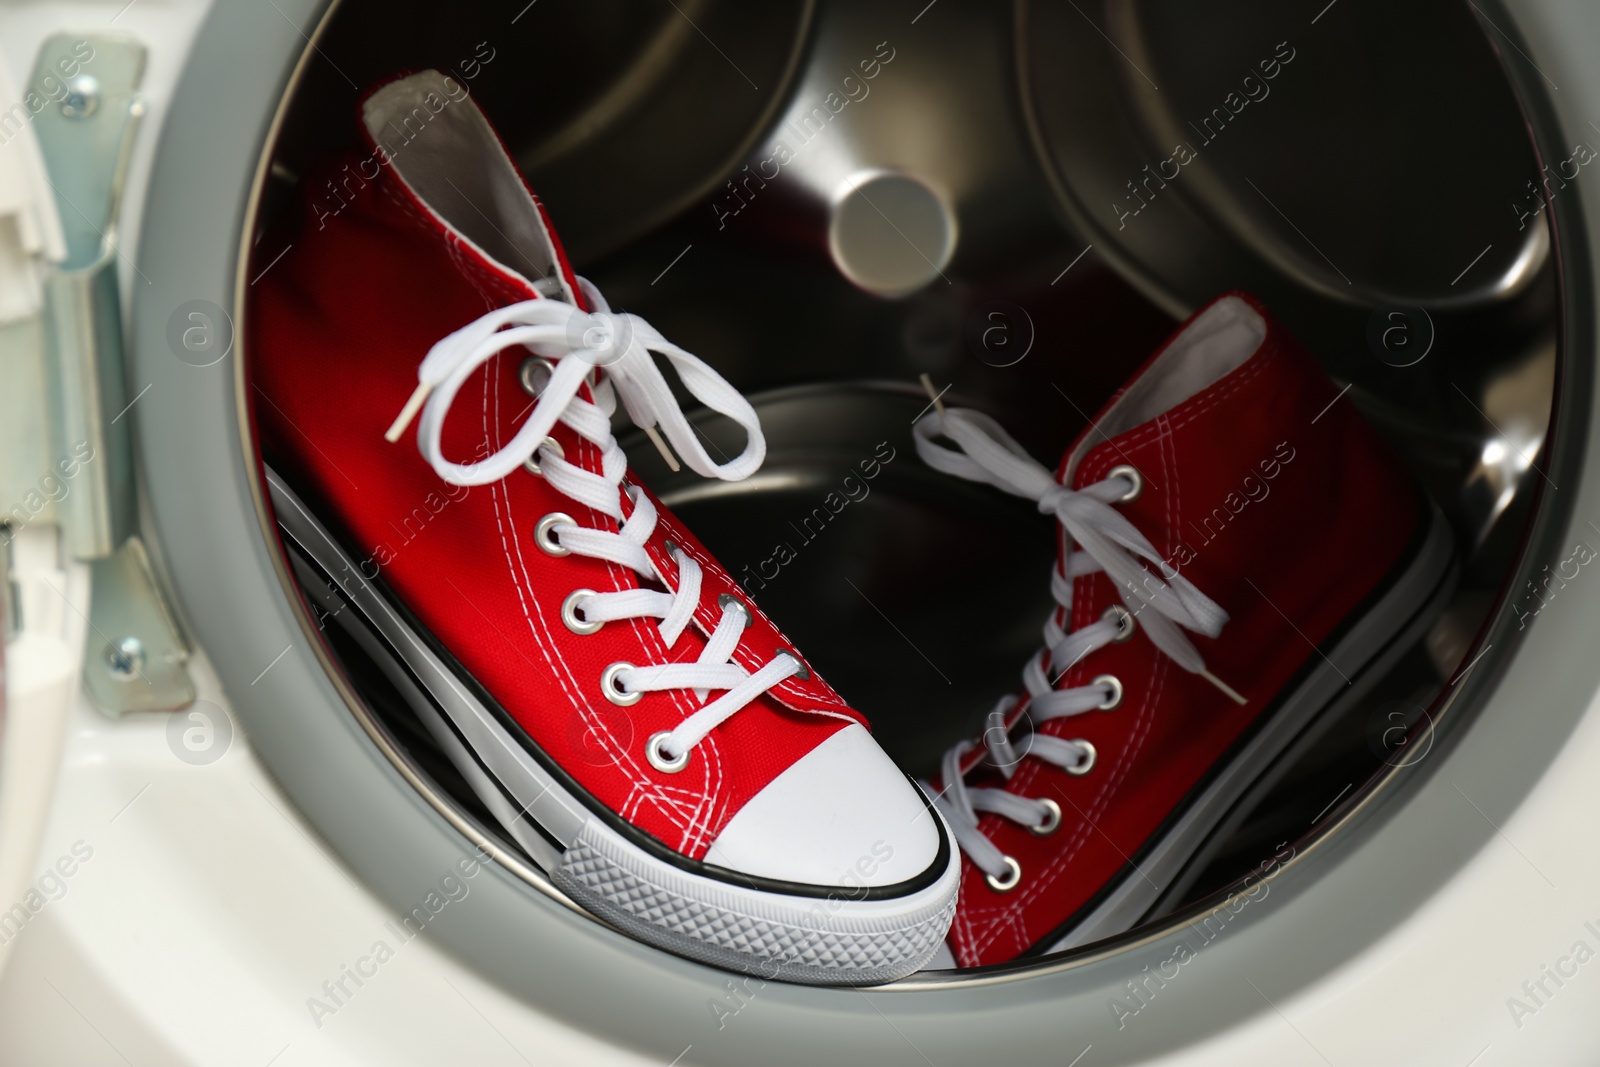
(83, 97)
(125, 658)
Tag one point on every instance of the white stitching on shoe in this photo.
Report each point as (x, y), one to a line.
(981, 925)
(794, 692)
(670, 808)
(1104, 540)
(540, 323)
(544, 639)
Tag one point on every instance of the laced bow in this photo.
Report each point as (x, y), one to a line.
(1153, 592)
(611, 355)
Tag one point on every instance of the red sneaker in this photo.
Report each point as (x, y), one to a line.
(636, 724)
(1229, 464)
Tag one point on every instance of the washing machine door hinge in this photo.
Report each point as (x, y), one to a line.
(89, 107)
(66, 450)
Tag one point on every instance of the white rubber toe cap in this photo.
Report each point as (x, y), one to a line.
(842, 815)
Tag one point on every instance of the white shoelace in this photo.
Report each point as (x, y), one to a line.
(1106, 542)
(574, 343)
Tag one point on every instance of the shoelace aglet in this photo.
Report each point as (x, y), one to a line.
(661, 446)
(1228, 690)
(409, 412)
(933, 394)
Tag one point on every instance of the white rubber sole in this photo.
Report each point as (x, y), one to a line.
(820, 935)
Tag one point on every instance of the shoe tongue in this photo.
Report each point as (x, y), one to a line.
(442, 151)
(1216, 341)
(450, 171)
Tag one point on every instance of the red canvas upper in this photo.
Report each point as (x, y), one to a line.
(1279, 503)
(336, 331)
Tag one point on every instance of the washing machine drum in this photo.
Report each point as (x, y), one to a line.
(832, 203)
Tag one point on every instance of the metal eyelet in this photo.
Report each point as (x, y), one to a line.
(727, 600)
(613, 690)
(528, 374)
(671, 547)
(544, 534)
(1085, 765)
(659, 760)
(569, 613)
(1052, 821)
(1126, 624)
(1012, 879)
(531, 464)
(1113, 683)
(805, 672)
(1133, 475)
